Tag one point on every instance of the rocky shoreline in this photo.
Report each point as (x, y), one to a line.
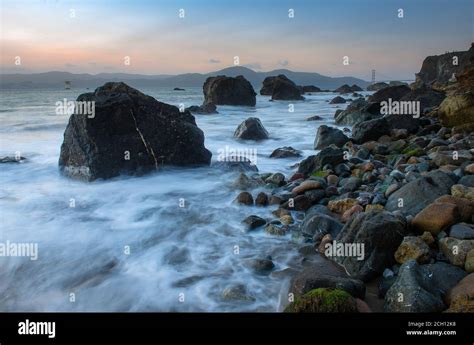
(384, 212)
(391, 207)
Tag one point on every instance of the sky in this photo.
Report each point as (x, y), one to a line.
(150, 37)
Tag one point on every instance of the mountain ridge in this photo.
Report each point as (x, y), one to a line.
(57, 78)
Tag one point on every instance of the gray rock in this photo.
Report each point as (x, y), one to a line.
(467, 180)
(316, 225)
(285, 152)
(329, 135)
(251, 129)
(418, 194)
(421, 288)
(253, 222)
(281, 88)
(462, 231)
(380, 233)
(370, 130)
(337, 100)
(324, 274)
(330, 155)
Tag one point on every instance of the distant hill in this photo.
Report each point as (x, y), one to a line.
(56, 79)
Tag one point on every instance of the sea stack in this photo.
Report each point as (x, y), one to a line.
(223, 90)
(128, 133)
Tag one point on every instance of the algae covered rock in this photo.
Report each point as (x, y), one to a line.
(323, 300)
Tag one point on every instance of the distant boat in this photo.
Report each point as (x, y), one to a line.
(67, 85)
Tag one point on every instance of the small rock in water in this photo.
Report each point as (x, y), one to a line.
(285, 152)
(261, 266)
(8, 159)
(245, 198)
(237, 293)
(251, 129)
(314, 118)
(275, 229)
(254, 222)
(261, 199)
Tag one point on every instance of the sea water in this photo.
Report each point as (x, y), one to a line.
(125, 244)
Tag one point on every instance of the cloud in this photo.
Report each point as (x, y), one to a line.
(69, 65)
(254, 65)
(214, 61)
(110, 68)
(283, 63)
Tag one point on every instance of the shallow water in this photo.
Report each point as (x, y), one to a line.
(180, 258)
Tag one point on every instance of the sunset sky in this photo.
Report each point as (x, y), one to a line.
(95, 36)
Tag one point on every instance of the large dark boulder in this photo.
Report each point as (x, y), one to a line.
(222, 90)
(422, 288)
(329, 135)
(325, 274)
(316, 225)
(281, 88)
(131, 133)
(251, 129)
(331, 155)
(357, 111)
(370, 130)
(380, 233)
(427, 97)
(408, 122)
(417, 194)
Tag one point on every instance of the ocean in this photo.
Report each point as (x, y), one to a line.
(125, 244)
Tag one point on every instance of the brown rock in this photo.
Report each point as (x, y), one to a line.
(322, 246)
(456, 250)
(332, 179)
(465, 207)
(341, 206)
(436, 217)
(348, 214)
(461, 297)
(469, 169)
(374, 207)
(306, 185)
(469, 264)
(286, 219)
(412, 248)
(261, 199)
(275, 200)
(244, 198)
(362, 306)
(427, 238)
(461, 191)
(281, 212)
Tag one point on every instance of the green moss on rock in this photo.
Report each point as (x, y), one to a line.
(320, 173)
(323, 300)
